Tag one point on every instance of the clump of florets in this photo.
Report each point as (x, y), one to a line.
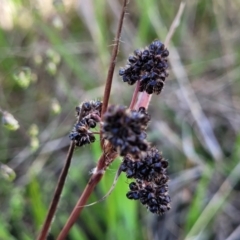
(81, 135)
(88, 115)
(154, 197)
(148, 168)
(89, 107)
(125, 129)
(149, 66)
(151, 180)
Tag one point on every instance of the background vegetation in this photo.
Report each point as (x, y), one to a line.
(55, 54)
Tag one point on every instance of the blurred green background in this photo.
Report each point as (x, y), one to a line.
(55, 54)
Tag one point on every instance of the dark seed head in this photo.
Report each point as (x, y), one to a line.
(133, 186)
(133, 195)
(147, 66)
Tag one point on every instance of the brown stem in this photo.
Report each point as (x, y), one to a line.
(108, 84)
(59, 188)
(57, 194)
(101, 164)
(94, 180)
(134, 97)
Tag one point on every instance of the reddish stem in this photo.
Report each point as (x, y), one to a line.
(60, 184)
(57, 194)
(143, 100)
(134, 97)
(108, 84)
(94, 180)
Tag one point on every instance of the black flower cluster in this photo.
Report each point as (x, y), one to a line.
(155, 197)
(89, 113)
(149, 66)
(89, 107)
(151, 180)
(125, 129)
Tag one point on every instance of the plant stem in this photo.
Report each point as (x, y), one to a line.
(57, 194)
(134, 97)
(93, 181)
(108, 83)
(101, 164)
(143, 100)
(59, 188)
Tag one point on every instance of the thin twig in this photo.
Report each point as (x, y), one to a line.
(144, 98)
(108, 84)
(57, 194)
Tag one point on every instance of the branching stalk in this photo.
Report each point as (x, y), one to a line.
(143, 101)
(110, 155)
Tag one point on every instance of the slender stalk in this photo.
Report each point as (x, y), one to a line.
(94, 180)
(143, 100)
(57, 194)
(108, 84)
(135, 94)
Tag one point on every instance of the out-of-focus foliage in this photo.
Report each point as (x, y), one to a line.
(55, 54)
(7, 173)
(9, 122)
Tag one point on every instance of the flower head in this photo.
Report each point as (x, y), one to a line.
(154, 197)
(125, 129)
(151, 180)
(149, 66)
(89, 113)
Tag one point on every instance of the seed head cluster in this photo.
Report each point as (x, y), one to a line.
(149, 66)
(151, 180)
(89, 114)
(125, 129)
